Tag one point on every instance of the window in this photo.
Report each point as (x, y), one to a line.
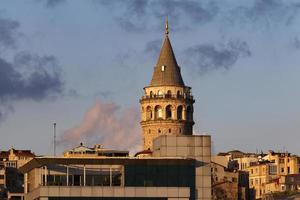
(169, 130)
(282, 169)
(179, 112)
(159, 93)
(148, 113)
(159, 131)
(288, 170)
(272, 169)
(163, 67)
(169, 112)
(169, 94)
(151, 94)
(189, 114)
(158, 112)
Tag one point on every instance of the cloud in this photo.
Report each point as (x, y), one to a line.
(296, 43)
(8, 33)
(106, 94)
(107, 124)
(37, 84)
(143, 15)
(133, 15)
(153, 47)
(53, 3)
(207, 57)
(267, 12)
(29, 77)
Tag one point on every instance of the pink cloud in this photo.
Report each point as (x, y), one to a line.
(107, 124)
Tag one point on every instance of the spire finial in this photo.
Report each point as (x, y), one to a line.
(167, 26)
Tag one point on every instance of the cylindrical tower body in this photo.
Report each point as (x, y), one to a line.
(166, 110)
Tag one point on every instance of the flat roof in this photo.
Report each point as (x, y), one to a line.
(41, 161)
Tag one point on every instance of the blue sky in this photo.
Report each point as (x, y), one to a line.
(83, 64)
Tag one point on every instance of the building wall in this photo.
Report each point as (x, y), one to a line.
(194, 146)
(50, 192)
(245, 162)
(258, 177)
(286, 164)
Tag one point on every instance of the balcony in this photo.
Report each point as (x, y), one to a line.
(168, 96)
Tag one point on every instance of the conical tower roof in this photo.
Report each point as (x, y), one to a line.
(166, 71)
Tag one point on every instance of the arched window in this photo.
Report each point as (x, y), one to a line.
(179, 112)
(159, 93)
(148, 113)
(178, 93)
(158, 112)
(169, 112)
(151, 94)
(169, 94)
(189, 113)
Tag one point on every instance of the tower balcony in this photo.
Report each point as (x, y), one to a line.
(168, 96)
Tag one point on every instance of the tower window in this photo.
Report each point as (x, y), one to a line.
(169, 130)
(180, 130)
(189, 114)
(169, 94)
(179, 112)
(148, 113)
(159, 131)
(159, 93)
(169, 112)
(178, 94)
(158, 112)
(163, 67)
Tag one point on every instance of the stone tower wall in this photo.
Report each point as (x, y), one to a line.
(166, 111)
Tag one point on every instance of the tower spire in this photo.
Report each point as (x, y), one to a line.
(166, 71)
(167, 26)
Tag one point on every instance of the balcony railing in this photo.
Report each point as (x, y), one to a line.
(167, 96)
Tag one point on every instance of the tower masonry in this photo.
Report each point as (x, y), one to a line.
(167, 103)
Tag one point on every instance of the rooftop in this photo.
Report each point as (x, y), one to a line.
(166, 71)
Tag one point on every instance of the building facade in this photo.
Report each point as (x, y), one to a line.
(167, 103)
(96, 151)
(179, 168)
(11, 179)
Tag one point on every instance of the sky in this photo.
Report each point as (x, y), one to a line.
(83, 65)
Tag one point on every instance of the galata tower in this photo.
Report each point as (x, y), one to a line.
(167, 103)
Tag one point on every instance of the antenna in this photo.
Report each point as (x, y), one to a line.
(54, 134)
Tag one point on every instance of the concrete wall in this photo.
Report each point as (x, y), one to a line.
(193, 146)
